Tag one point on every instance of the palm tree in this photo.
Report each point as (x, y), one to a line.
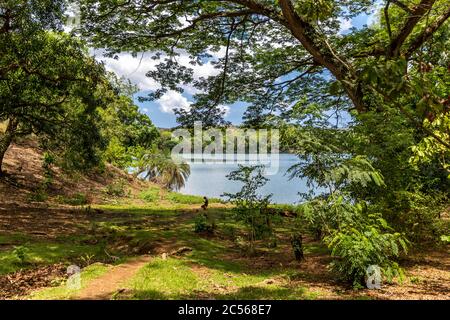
(175, 174)
(162, 169)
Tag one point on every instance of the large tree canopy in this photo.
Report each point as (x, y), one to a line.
(276, 51)
(48, 84)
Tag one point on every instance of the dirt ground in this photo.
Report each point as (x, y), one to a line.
(430, 270)
(24, 174)
(427, 271)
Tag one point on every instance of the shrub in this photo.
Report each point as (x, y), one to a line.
(116, 189)
(357, 247)
(250, 207)
(21, 254)
(77, 199)
(39, 195)
(203, 223)
(357, 235)
(416, 214)
(150, 195)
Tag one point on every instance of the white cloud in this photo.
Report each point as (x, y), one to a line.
(135, 69)
(173, 100)
(226, 109)
(374, 17)
(132, 68)
(345, 25)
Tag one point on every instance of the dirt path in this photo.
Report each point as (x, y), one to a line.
(105, 286)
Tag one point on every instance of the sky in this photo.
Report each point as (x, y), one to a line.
(161, 111)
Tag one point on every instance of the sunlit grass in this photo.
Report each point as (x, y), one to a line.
(42, 253)
(182, 279)
(63, 292)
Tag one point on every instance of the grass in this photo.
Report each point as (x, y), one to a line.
(184, 198)
(182, 279)
(77, 199)
(63, 292)
(210, 270)
(151, 195)
(147, 209)
(42, 253)
(188, 199)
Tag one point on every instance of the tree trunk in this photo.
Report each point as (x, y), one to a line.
(7, 139)
(323, 54)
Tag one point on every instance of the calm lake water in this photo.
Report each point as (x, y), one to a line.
(209, 179)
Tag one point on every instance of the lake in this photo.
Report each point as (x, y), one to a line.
(209, 179)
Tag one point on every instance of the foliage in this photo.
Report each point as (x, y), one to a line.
(251, 208)
(445, 239)
(77, 199)
(117, 188)
(21, 254)
(203, 223)
(49, 85)
(39, 195)
(150, 195)
(158, 167)
(128, 130)
(47, 163)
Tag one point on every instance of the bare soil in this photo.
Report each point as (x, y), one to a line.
(104, 287)
(427, 271)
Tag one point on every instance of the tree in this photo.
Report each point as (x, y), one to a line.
(157, 166)
(48, 84)
(251, 207)
(127, 129)
(286, 44)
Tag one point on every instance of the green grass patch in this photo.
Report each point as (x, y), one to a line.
(63, 292)
(188, 198)
(148, 209)
(77, 199)
(182, 279)
(184, 198)
(165, 279)
(42, 254)
(150, 195)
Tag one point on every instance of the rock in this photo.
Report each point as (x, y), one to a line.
(164, 256)
(181, 251)
(269, 281)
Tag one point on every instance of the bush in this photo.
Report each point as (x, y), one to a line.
(150, 195)
(21, 254)
(357, 235)
(357, 247)
(202, 223)
(39, 195)
(250, 207)
(77, 199)
(417, 214)
(116, 189)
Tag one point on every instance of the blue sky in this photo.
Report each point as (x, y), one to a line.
(161, 111)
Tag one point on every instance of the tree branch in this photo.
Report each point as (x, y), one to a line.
(427, 33)
(414, 17)
(402, 6)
